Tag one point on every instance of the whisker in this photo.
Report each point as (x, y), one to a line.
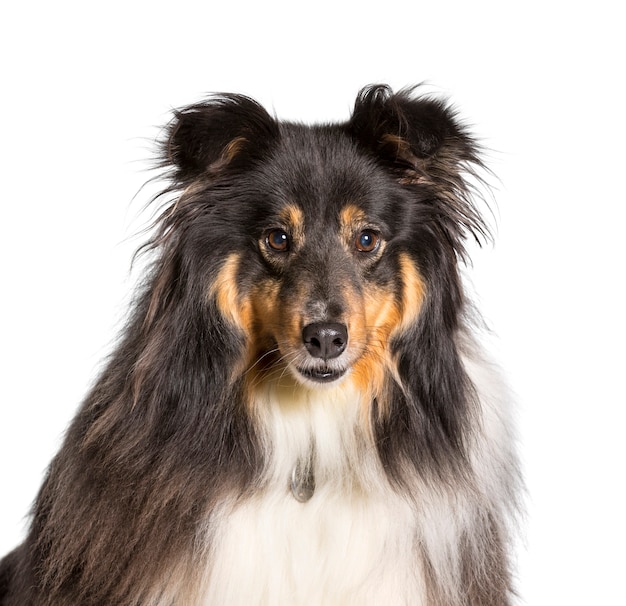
(275, 370)
(260, 358)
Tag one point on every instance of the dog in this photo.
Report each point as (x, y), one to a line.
(298, 411)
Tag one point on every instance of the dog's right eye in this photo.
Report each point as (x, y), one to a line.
(367, 241)
(277, 240)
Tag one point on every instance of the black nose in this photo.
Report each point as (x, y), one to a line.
(325, 340)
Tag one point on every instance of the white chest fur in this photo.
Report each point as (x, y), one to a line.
(353, 542)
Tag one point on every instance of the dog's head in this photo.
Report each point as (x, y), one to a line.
(323, 245)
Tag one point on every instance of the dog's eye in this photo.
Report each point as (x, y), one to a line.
(277, 240)
(367, 241)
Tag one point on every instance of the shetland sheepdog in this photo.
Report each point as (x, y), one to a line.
(298, 411)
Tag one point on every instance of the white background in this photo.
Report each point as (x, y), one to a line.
(541, 82)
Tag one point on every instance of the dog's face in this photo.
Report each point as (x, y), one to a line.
(323, 282)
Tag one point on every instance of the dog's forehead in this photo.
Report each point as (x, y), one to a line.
(319, 175)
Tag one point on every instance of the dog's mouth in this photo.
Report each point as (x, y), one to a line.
(322, 375)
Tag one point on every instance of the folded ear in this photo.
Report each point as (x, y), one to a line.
(421, 142)
(418, 137)
(224, 132)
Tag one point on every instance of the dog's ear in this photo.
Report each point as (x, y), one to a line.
(224, 132)
(419, 139)
(422, 143)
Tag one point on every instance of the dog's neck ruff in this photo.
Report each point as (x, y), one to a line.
(316, 439)
(324, 526)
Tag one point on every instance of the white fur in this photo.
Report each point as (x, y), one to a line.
(357, 541)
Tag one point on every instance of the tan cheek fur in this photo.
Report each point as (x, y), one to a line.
(385, 316)
(226, 294)
(255, 313)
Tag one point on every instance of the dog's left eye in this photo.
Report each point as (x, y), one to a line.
(277, 240)
(367, 241)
